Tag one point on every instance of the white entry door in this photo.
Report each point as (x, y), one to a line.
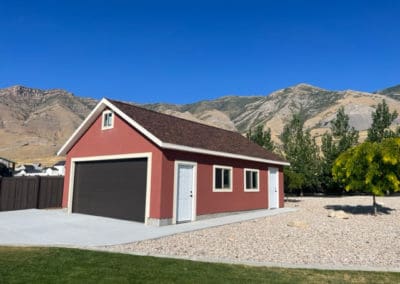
(273, 188)
(185, 192)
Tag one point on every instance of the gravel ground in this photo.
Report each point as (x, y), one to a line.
(324, 232)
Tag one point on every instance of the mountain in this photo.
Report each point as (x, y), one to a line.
(319, 107)
(35, 123)
(393, 92)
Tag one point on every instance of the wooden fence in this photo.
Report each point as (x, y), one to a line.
(30, 192)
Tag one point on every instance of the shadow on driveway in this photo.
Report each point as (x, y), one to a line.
(360, 209)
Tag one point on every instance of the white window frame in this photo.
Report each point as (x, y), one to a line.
(103, 116)
(257, 189)
(230, 177)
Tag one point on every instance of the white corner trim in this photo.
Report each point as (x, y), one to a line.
(230, 189)
(244, 180)
(147, 155)
(194, 200)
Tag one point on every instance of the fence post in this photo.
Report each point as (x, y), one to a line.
(38, 191)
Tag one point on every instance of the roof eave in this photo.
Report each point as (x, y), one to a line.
(104, 103)
(82, 128)
(221, 154)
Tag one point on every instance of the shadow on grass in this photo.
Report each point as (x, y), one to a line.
(360, 209)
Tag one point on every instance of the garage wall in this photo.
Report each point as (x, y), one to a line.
(209, 202)
(122, 139)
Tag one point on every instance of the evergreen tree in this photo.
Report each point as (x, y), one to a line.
(302, 153)
(381, 120)
(341, 138)
(262, 138)
(370, 167)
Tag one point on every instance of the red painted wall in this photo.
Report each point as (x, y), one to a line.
(209, 202)
(122, 139)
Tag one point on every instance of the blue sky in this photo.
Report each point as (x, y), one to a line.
(185, 51)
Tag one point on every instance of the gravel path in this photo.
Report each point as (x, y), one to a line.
(323, 232)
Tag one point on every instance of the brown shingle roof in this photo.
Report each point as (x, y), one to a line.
(174, 130)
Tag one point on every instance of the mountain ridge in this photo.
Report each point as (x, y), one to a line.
(35, 123)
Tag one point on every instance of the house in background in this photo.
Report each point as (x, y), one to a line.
(9, 164)
(131, 163)
(28, 170)
(60, 167)
(36, 170)
(29, 167)
(6, 167)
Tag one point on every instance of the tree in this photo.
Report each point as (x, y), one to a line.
(381, 120)
(302, 153)
(341, 138)
(370, 167)
(261, 137)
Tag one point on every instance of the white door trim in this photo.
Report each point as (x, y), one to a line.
(147, 155)
(277, 186)
(194, 199)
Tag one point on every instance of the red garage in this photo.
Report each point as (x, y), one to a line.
(131, 163)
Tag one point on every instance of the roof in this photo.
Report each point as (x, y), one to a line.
(50, 168)
(29, 168)
(6, 160)
(170, 132)
(59, 163)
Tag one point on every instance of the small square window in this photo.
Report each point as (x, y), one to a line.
(108, 120)
(222, 178)
(251, 180)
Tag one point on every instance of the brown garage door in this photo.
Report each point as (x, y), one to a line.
(112, 188)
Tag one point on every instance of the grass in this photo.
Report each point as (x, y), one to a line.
(61, 265)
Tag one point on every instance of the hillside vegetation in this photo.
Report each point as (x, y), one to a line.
(35, 123)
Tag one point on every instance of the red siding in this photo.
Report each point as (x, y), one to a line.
(122, 139)
(209, 202)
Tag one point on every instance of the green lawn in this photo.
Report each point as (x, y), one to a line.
(60, 265)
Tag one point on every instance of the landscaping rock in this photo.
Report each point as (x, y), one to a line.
(304, 237)
(298, 224)
(338, 214)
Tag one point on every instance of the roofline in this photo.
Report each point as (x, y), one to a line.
(105, 103)
(82, 128)
(92, 117)
(221, 154)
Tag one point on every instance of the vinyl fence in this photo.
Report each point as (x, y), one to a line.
(30, 192)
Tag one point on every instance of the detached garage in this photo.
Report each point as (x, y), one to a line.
(131, 163)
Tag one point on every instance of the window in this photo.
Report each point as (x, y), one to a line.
(108, 120)
(222, 178)
(251, 180)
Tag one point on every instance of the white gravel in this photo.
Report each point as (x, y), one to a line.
(305, 237)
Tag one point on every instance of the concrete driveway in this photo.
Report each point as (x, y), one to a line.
(56, 227)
